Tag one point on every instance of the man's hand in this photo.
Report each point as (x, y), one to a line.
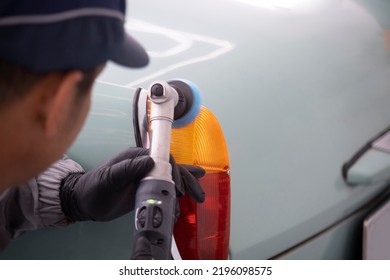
(108, 191)
(186, 180)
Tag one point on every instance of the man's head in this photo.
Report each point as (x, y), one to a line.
(50, 55)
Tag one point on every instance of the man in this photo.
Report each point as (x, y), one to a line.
(50, 54)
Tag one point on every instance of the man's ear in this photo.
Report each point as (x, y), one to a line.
(57, 100)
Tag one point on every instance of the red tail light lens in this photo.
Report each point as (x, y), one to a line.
(203, 230)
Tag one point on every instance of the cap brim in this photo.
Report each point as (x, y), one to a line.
(130, 53)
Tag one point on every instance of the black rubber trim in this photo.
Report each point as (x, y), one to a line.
(347, 165)
(137, 132)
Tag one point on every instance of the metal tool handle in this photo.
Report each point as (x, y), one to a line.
(156, 196)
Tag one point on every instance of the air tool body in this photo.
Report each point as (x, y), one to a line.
(174, 103)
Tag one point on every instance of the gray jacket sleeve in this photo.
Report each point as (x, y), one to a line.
(35, 204)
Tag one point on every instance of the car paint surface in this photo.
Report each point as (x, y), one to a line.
(298, 87)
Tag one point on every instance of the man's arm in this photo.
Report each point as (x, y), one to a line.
(35, 204)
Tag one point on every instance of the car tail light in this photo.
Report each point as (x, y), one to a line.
(203, 230)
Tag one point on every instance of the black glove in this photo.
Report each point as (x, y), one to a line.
(185, 177)
(108, 191)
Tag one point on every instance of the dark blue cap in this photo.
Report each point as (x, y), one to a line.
(51, 35)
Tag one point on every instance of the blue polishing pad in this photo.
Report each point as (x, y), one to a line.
(194, 109)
